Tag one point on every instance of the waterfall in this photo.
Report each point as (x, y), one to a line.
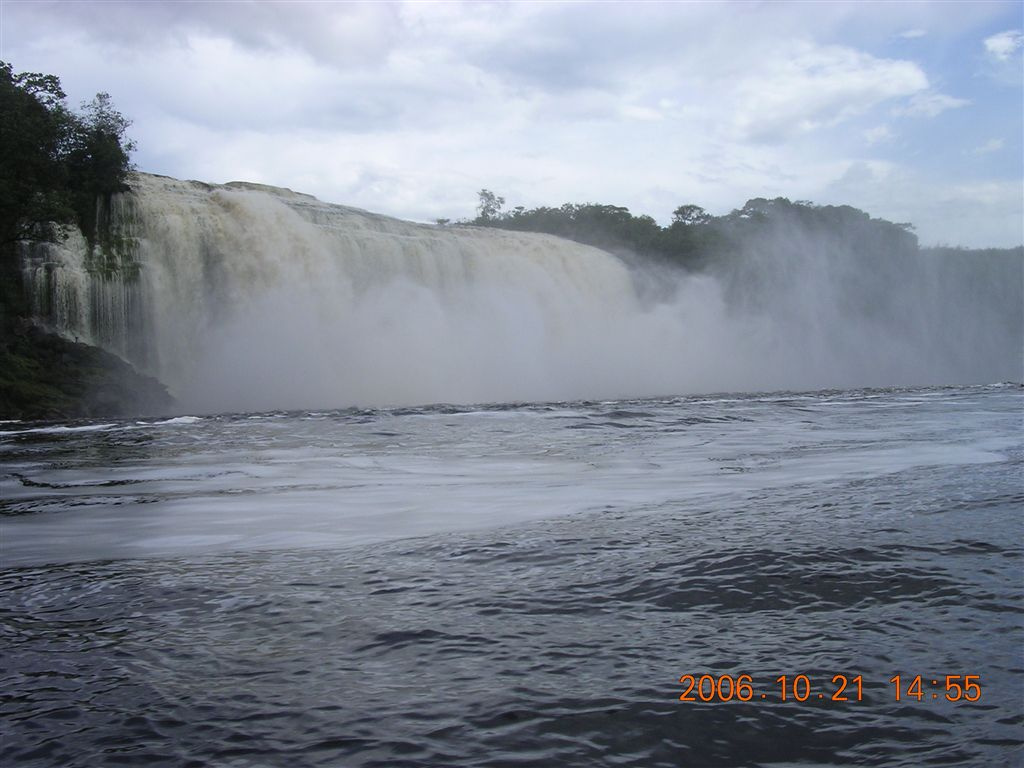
(71, 295)
(254, 297)
(244, 297)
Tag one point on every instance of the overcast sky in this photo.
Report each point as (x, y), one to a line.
(911, 111)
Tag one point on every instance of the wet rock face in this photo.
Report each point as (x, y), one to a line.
(45, 376)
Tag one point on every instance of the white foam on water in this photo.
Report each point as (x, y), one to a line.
(60, 429)
(332, 483)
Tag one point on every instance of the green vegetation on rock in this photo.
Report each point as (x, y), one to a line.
(58, 168)
(61, 168)
(44, 376)
(56, 164)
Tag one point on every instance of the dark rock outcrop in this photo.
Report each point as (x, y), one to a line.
(45, 376)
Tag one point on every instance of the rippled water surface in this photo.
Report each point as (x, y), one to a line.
(517, 585)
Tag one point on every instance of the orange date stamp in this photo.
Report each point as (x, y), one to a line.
(840, 688)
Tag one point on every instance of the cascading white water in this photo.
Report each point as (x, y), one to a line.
(69, 295)
(273, 299)
(251, 298)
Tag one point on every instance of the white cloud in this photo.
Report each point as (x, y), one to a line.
(974, 213)
(992, 145)
(912, 34)
(635, 112)
(409, 108)
(807, 86)
(877, 134)
(930, 104)
(1003, 45)
(339, 34)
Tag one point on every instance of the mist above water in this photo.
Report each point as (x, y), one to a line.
(253, 299)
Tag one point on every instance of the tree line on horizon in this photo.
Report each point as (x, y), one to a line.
(694, 238)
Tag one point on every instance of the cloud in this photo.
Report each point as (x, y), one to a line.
(1004, 44)
(992, 145)
(912, 34)
(930, 104)
(339, 34)
(409, 108)
(807, 86)
(1002, 60)
(975, 213)
(877, 134)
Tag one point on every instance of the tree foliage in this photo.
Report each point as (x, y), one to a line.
(489, 208)
(695, 239)
(689, 215)
(98, 159)
(55, 163)
(57, 167)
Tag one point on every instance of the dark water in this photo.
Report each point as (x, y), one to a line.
(518, 585)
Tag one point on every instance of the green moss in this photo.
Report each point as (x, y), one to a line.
(112, 252)
(113, 257)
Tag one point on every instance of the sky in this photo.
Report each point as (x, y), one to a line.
(911, 111)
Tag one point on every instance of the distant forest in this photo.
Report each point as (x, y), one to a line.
(695, 239)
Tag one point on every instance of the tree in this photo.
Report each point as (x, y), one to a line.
(689, 215)
(490, 206)
(696, 240)
(55, 167)
(55, 163)
(33, 138)
(98, 160)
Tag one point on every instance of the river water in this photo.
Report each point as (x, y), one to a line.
(520, 585)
